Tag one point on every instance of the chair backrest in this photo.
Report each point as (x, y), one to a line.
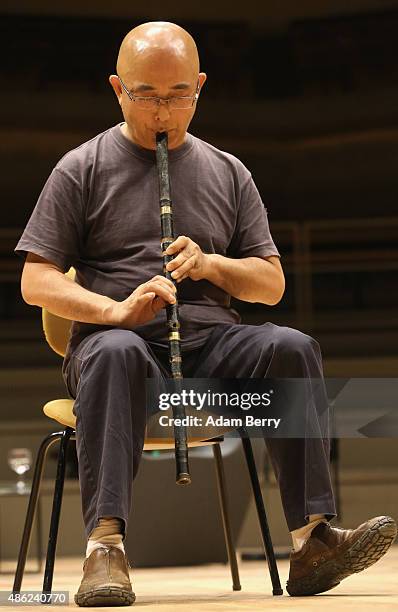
(56, 329)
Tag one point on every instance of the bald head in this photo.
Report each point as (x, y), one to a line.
(157, 60)
(156, 43)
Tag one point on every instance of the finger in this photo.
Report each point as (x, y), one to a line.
(178, 244)
(146, 297)
(162, 291)
(157, 302)
(142, 301)
(181, 258)
(160, 285)
(184, 268)
(164, 280)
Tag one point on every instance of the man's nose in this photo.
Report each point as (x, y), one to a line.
(162, 111)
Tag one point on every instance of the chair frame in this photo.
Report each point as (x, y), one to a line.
(70, 434)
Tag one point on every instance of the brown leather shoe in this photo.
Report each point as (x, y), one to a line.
(106, 580)
(331, 554)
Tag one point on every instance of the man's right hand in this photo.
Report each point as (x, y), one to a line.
(142, 305)
(44, 284)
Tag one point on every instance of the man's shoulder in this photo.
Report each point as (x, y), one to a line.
(219, 157)
(82, 157)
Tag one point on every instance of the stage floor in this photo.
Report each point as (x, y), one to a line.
(208, 587)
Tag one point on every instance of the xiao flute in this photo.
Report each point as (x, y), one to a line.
(173, 324)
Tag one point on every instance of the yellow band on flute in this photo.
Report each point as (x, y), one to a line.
(166, 239)
(165, 210)
(174, 335)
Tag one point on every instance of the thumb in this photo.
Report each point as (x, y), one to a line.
(158, 304)
(147, 297)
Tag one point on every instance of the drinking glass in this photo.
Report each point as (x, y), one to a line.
(20, 461)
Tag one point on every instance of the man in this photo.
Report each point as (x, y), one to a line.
(98, 212)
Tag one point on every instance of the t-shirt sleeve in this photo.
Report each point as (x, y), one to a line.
(252, 236)
(55, 228)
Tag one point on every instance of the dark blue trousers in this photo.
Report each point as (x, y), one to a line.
(106, 375)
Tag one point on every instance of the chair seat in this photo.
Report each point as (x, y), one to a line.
(61, 410)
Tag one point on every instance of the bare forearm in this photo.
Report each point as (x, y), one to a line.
(53, 290)
(250, 279)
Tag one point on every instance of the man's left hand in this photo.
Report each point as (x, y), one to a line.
(190, 261)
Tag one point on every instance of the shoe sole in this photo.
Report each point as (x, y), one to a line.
(105, 597)
(370, 547)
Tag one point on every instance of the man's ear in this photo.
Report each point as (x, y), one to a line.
(116, 86)
(202, 79)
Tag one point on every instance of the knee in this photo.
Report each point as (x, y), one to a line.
(292, 342)
(118, 344)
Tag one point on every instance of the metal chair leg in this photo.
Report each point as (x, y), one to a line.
(30, 514)
(222, 494)
(262, 516)
(56, 509)
(39, 537)
(335, 464)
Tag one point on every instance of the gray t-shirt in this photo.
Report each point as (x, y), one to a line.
(99, 212)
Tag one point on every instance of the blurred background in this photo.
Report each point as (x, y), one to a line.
(306, 95)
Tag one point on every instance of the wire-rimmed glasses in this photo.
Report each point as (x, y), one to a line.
(153, 102)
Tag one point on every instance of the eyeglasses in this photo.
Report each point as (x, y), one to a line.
(153, 102)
